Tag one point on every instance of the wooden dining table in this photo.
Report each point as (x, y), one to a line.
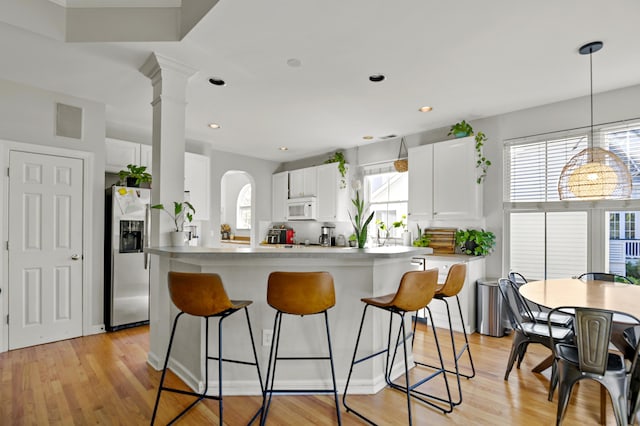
(624, 298)
(591, 294)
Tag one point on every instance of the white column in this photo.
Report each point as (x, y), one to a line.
(169, 80)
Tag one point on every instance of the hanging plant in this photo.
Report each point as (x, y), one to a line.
(338, 157)
(463, 129)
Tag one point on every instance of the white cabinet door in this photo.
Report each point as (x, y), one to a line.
(279, 195)
(467, 296)
(332, 195)
(145, 157)
(456, 195)
(421, 182)
(196, 181)
(118, 154)
(303, 182)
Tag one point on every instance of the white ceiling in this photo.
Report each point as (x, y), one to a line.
(467, 59)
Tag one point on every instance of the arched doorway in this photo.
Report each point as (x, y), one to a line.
(237, 204)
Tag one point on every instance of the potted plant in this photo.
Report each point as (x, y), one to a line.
(423, 240)
(353, 241)
(360, 224)
(475, 242)
(182, 212)
(338, 157)
(463, 129)
(134, 175)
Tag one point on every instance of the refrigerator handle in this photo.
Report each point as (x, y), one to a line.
(146, 234)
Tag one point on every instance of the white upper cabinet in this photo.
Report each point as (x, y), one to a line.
(332, 194)
(421, 182)
(442, 181)
(118, 154)
(279, 196)
(303, 182)
(196, 181)
(456, 195)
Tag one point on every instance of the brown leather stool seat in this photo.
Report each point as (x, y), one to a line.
(203, 295)
(451, 288)
(298, 293)
(415, 292)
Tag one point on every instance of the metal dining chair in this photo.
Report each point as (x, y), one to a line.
(590, 358)
(632, 337)
(604, 276)
(537, 312)
(526, 329)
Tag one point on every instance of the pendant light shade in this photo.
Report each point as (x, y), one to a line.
(594, 173)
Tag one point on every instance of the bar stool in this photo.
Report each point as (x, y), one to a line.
(203, 295)
(415, 292)
(451, 288)
(298, 293)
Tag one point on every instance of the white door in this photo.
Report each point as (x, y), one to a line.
(45, 248)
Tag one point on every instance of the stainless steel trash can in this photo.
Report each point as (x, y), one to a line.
(489, 308)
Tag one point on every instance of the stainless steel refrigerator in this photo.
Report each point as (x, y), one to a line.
(126, 282)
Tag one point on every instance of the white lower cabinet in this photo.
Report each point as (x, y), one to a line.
(467, 296)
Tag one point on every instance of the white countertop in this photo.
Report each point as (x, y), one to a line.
(293, 251)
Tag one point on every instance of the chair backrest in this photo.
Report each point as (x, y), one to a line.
(604, 276)
(198, 294)
(416, 290)
(301, 293)
(593, 334)
(517, 278)
(455, 280)
(516, 312)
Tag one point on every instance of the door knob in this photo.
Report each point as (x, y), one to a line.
(75, 257)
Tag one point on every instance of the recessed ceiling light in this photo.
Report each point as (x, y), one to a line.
(283, 148)
(217, 81)
(376, 78)
(367, 137)
(425, 109)
(214, 125)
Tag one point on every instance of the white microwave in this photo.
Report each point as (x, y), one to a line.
(301, 208)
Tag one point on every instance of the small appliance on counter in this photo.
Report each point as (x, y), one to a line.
(326, 236)
(278, 236)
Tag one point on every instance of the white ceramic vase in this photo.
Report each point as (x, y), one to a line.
(178, 238)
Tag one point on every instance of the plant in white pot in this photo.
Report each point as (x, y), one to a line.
(182, 212)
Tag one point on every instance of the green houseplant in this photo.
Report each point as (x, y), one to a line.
(462, 129)
(338, 157)
(360, 224)
(182, 212)
(134, 175)
(423, 239)
(475, 242)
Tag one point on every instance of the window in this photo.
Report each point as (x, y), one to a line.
(629, 226)
(614, 226)
(243, 208)
(387, 193)
(548, 238)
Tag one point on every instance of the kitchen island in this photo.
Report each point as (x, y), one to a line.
(357, 273)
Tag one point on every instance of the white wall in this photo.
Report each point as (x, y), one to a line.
(28, 115)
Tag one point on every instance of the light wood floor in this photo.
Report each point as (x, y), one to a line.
(104, 379)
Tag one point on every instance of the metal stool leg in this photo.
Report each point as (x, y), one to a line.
(333, 372)
(164, 369)
(271, 367)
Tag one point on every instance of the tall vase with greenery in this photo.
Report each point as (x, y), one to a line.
(359, 224)
(182, 212)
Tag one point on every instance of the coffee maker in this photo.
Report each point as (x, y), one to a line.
(326, 232)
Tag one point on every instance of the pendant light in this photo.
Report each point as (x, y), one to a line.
(594, 173)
